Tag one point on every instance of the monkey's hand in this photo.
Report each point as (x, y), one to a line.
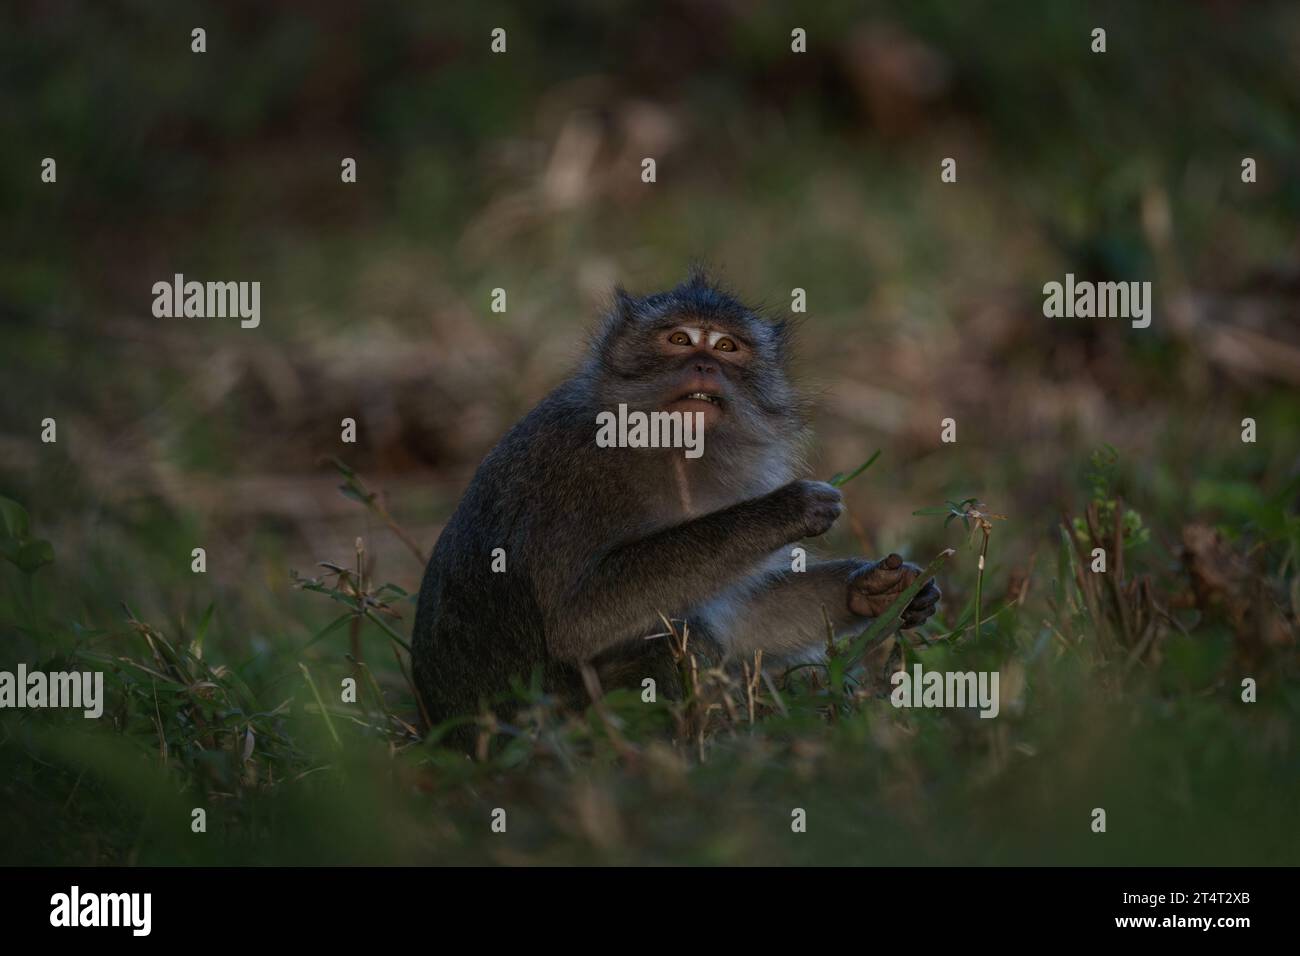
(812, 506)
(877, 584)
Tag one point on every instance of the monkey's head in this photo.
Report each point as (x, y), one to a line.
(693, 349)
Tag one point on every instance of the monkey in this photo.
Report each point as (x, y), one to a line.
(599, 546)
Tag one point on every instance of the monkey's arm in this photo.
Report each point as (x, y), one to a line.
(676, 569)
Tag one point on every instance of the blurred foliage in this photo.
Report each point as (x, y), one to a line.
(817, 171)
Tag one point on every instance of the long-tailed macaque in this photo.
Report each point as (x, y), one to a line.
(598, 545)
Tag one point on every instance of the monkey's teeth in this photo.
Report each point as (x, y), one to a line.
(703, 397)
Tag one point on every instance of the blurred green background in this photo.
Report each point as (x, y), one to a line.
(522, 171)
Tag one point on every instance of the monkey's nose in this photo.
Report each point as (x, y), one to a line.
(704, 367)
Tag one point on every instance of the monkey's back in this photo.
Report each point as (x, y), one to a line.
(476, 629)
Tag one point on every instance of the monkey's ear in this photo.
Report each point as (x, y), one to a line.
(622, 313)
(782, 335)
(624, 304)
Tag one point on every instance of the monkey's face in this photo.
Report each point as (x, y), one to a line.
(698, 350)
(700, 355)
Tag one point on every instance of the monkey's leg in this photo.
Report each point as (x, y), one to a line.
(780, 612)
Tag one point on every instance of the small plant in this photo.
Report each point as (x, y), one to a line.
(1103, 479)
(355, 488)
(365, 602)
(972, 515)
(16, 542)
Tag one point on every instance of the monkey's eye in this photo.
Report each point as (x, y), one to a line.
(679, 338)
(725, 345)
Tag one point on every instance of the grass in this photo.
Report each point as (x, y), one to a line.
(1093, 714)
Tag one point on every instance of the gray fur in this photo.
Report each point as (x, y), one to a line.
(600, 542)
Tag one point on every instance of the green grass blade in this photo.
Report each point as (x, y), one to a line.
(841, 479)
(882, 624)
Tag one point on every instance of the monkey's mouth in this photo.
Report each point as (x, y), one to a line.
(702, 397)
(706, 403)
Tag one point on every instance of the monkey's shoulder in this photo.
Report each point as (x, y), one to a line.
(549, 458)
